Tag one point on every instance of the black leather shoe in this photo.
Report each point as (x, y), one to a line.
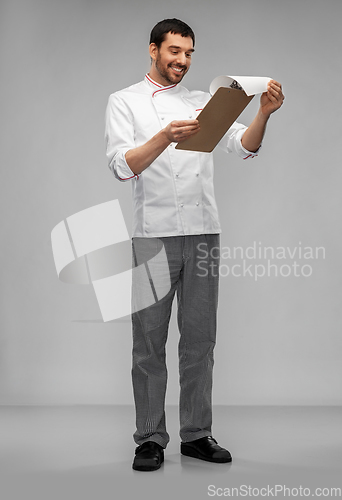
(148, 456)
(206, 448)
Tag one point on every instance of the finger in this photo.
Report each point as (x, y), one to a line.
(273, 97)
(277, 100)
(194, 131)
(185, 131)
(182, 137)
(273, 86)
(189, 128)
(184, 123)
(274, 82)
(276, 93)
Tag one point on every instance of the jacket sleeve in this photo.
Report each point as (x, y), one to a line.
(231, 142)
(119, 137)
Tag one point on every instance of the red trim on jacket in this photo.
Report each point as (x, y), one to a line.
(154, 83)
(160, 87)
(127, 178)
(164, 88)
(250, 156)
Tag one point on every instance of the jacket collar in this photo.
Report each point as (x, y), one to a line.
(156, 88)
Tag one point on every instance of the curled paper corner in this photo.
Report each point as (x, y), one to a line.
(93, 247)
(250, 84)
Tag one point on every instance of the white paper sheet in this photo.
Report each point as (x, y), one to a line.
(251, 84)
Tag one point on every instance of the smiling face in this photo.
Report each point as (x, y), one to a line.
(172, 60)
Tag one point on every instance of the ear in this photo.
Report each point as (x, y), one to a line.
(153, 49)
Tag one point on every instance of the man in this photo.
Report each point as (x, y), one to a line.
(174, 203)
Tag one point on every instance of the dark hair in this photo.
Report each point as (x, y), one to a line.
(170, 26)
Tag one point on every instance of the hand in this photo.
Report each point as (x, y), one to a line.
(179, 130)
(271, 100)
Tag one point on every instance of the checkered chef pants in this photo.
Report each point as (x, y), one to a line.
(190, 267)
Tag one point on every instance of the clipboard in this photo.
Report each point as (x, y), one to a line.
(231, 95)
(216, 118)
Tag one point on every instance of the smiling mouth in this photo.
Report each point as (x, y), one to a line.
(177, 70)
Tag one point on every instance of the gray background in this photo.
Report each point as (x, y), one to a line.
(279, 339)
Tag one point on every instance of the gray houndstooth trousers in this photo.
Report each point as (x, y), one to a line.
(193, 268)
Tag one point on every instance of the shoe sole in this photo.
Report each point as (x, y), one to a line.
(190, 452)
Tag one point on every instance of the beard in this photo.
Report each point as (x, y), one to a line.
(167, 73)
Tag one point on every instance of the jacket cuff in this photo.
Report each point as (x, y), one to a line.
(244, 153)
(121, 169)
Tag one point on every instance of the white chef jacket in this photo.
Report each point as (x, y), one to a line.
(174, 196)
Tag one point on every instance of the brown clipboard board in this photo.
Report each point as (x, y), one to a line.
(216, 118)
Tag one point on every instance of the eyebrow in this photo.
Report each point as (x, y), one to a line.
(177, 47)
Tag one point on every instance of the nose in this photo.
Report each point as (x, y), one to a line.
(181, 58)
